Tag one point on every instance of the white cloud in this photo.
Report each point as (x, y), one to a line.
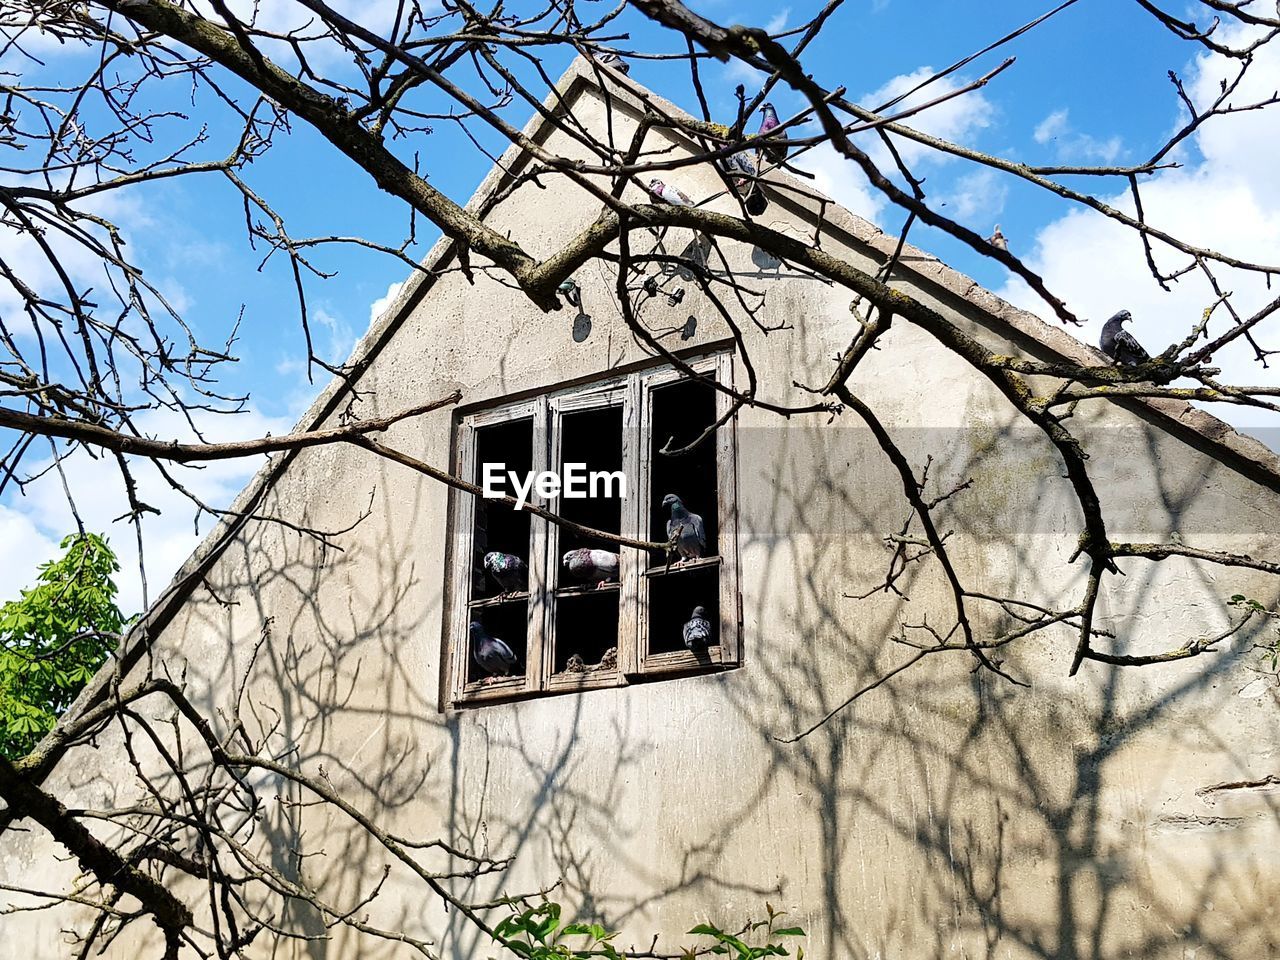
(779, 21)
(957, 119)
(842, 181)
(30, 526)
(978, 197)
(379, 306)
(1226, 199)
(339, 336)
(22, 549)
(283, 16)
(85, 269)
(1070, 145)
(736, 72)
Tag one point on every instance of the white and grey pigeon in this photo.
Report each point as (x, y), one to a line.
(769, 119)
(742, 173)
(669, 193)
(507, 570)
(610, 59)
(997, 240)
(685, 530)
(492, 655)
(1119, 344)
(697, 630)
(588, 565)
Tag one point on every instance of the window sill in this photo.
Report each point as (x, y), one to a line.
(665, 570)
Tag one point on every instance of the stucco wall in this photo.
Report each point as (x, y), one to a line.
(945, 815)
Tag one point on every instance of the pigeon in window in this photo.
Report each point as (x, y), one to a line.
(685, 531)
(997, 240)
(774, 153)
(493, 656)
(1119, 344)
(697, 630)
(742, 174)
(508, 571)
(588, 565)
(669, 193)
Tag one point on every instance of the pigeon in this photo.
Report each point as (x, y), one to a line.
(589, 565)
(669, 193)
(742, 172)
(1119, 344)
(494, 657)
(998, 241)
(685, 530)
(508, 571)
(610, 59)
(697, 631)
(774, 153)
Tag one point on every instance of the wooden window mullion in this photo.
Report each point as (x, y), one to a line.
(630, 616)
(540, 575)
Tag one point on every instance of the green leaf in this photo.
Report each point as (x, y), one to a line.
(789, 932)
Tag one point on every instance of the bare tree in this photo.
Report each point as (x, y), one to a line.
(80, 366)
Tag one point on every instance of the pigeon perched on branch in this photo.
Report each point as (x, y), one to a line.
(492, 655)
(610, 59)
(774, 153)
(508, 571)
(997, 240)
(1119, 344)
(742, 173)
(697, 630)
(669, 193)
(685, 530)
(587, 565)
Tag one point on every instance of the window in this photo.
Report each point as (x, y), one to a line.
(582, 625)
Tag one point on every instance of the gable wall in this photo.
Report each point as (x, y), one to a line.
(944, 815)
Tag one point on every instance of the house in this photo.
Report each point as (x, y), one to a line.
(1122, 812)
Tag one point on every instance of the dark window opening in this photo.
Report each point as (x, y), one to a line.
(587, 630)
(498, 527)
(508, 622)
(680, 413)
(594, 438)
(611, 616)
(672, 599)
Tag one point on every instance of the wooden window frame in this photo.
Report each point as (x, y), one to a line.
(632, 392)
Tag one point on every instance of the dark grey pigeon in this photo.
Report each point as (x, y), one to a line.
(494, 657)
(587, 565)
(769, 120)
(508, 571)
(612, 60)
(1119, 344)
(685, 529)
(742, 173)
(697, 631)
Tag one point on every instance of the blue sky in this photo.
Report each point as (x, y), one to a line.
(1090, 86)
